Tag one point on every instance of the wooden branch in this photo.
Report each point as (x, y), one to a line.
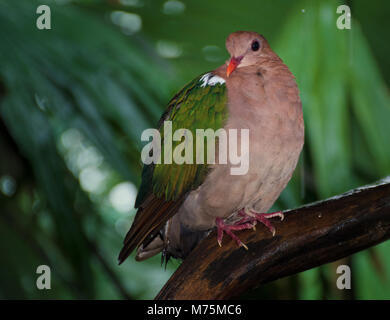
(308, 237)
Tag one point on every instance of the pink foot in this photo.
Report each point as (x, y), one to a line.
(254, 217)
(222, 227)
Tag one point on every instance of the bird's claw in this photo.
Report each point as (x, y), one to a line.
(254, 217)
(244, 245)
(222, 227)
(249, 221)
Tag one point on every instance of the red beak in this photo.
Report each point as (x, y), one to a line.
(233, 63)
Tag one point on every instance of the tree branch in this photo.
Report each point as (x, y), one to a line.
(309, 236)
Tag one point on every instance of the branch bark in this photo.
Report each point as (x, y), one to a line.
(309, 236)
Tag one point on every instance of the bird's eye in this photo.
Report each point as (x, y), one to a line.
(255, 45)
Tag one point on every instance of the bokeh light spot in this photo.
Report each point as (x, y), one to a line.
(7, 185)
(122, 196)
(168, 49)
(129, 22)
(173, 7)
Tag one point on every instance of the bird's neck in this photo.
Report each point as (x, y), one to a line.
(262, 91)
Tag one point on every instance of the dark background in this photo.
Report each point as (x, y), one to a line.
(75, 99)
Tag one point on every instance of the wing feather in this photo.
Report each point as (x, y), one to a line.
(164, 186)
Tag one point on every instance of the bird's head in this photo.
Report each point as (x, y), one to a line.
(246, 48)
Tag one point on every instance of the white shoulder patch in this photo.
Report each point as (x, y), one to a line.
(209, 79)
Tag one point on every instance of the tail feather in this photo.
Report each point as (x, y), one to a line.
(150, 218)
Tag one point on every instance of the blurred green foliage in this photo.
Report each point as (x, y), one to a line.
(75, 99)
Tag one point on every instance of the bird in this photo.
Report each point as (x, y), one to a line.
(180, 204)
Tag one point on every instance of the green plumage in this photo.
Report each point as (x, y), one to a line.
(194, 107)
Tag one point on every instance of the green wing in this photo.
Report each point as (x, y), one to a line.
(201, 104)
